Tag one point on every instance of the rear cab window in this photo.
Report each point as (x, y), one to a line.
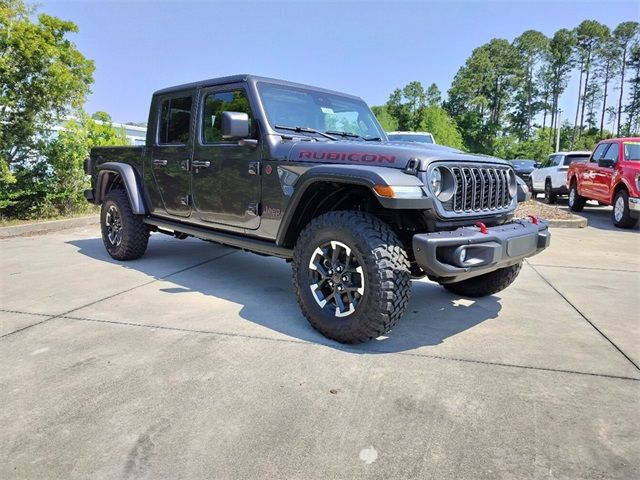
(174, 124)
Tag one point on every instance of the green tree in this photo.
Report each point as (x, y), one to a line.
(436, 120)
(556, 73)
(530, 46)
(42, 77)
(625, 36)
(589, 34)
(632, 109)
(434, 95)
(387, 121)
(607, 64)
(406, 104)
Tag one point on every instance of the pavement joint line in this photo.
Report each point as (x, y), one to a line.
(63, 314)
(584, 317)
(583, 268)
(352, 350)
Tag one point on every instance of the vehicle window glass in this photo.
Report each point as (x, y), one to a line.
(317, 110)
(175, 121)
(215, 104)
(548, 161)
(632, 151)
(557, 160)
(599, 151)
(569, 159)
(611, 153)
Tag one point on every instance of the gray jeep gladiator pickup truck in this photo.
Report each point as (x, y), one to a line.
(308, 175)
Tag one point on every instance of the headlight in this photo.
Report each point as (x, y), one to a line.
(435, 181)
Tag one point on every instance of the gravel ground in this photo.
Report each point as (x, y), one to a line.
(542, 210)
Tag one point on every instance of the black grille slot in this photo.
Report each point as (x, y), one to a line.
(479, 189)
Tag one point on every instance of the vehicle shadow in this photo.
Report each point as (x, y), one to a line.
(262, 287)
(597, 216)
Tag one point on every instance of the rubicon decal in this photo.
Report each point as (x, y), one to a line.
(347, 157)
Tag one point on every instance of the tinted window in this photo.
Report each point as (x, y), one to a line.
(523, 163)
(175, 120)
(599, 151)
(215, 104)
(632, 151)
(569, 159)
(612, 152)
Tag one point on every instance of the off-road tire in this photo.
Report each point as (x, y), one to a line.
(549, 196)
(134, 233)
(625, 220)
(487, 284)
(386, 273)
(576, 201)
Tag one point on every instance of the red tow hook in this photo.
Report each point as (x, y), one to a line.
(534, 219)
(482, 227)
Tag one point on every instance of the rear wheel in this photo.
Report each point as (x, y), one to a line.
(351, 276)
(124, 234)
(576, 201)
(549, 196)
(487, 284)
(621, 215)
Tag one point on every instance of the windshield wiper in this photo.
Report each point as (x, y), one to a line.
(304, 130)
(354, 135)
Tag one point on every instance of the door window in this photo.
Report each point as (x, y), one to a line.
(612, 153)
(214, 105)
(599, 152)
(175, 121)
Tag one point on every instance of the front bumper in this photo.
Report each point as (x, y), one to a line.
(466, 252)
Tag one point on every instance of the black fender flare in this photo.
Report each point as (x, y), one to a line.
(367, 176)
(129, 179)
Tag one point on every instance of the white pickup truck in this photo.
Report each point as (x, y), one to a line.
(550, 177)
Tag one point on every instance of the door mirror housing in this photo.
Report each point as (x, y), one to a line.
(606, 163)
(235, 125)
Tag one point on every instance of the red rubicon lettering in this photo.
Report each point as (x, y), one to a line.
(349, 157)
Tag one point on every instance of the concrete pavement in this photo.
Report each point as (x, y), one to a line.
(195, 362)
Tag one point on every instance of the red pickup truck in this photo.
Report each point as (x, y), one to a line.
(612, 177)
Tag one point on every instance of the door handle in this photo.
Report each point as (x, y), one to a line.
(201, 163)
(160, 163)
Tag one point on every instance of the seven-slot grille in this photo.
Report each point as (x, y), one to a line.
(479, 188)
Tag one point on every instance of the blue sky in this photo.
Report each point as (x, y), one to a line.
(363, 48)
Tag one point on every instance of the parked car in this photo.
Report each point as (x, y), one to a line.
(612, 177)
(280, 169)
(420, 137)
(551, 177)
(524, 168)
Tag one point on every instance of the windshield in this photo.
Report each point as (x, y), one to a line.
(523, 163)
(410, 137)
(308, 109)
(632, 151)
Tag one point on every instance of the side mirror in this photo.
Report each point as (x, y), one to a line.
(235, 125)
(537, 165)
(606, 163)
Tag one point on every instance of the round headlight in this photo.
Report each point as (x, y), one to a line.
(435, 181)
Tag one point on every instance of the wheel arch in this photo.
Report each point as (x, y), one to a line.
(120, 175)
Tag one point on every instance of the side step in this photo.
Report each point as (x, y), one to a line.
(245, 243)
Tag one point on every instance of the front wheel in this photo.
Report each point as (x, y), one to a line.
(124, 234)
(576, 201)
(487, 284)
(621, 214)
(351, 275)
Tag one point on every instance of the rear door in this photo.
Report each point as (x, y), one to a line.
(226, 176)
(171, 151)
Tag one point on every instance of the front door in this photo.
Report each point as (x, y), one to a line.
(588, 182)
(171, 152)
(225, 176)
(602, 179)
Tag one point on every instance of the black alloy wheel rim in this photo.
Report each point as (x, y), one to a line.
(113, 222)
(336, 278)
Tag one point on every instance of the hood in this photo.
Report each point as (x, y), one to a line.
(380, 154)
